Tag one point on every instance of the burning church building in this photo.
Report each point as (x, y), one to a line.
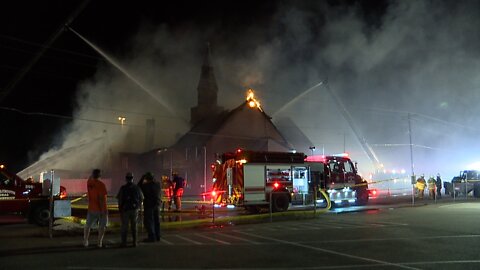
(213, 131)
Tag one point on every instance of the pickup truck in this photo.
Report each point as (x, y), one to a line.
(466, 182)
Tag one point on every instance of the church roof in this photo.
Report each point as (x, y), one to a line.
(222, 125)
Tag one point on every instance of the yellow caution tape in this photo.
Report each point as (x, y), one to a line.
(79, 198)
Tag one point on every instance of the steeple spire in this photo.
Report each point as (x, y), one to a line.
(207, 90)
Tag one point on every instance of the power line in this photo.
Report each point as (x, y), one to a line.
(19, 76)
(43, 46)
(57, 116)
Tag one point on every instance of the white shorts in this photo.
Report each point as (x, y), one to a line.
(96, 218)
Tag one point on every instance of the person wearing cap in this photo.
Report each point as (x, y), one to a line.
(97, 213)
(151, 191)
(130, 199)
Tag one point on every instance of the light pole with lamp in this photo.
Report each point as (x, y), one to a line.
(122, 120)
(312, 148)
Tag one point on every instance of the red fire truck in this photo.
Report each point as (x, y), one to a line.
(254, 179)
(26, 197)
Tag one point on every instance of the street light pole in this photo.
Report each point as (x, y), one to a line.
(411, 159)
(312, 148)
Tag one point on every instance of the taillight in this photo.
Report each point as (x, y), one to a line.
(276, 185)
(63, 193)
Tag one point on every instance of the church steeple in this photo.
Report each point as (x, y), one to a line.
(207, 90)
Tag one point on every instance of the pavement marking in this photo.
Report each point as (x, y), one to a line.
(327, 251)
(239, 238)
(443, 262)
(392, 223)
(213, 239)
(462, 205)
(165, 241)
(400, 238)
(188, 239)
(350, 266)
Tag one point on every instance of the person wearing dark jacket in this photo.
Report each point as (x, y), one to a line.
(151, 192)
(130, 199)
(439, 186)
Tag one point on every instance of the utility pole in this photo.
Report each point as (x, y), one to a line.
(411, 159)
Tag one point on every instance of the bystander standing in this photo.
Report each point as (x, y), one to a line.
(151, 192)
(130, 199)
(439, 186)
(97, 213)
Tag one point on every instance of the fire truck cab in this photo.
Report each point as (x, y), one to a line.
(26, 197)
(338, 176)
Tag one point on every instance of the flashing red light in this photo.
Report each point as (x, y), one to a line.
(239, 151)
(214, 194)
(276, 185)
(212, 167)
(316, 158)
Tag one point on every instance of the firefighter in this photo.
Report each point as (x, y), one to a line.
(421, 186)
(167, 193)
(431, 187)
(178, 185)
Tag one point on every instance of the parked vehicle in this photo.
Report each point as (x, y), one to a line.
(468, 181)
(26, 197)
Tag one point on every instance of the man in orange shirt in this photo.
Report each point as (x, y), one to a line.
(97, 207)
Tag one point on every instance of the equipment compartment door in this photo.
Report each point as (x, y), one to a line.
(254, 183)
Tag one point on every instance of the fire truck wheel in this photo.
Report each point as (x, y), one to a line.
(41, 215)
(280, 202)
(362, 198)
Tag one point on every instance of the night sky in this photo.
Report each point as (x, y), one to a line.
(385, 60)
(42, 102)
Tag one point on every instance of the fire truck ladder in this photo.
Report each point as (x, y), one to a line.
(346, 114)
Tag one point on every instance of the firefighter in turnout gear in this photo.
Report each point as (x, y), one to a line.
(431, 187)
(421, 186)
(167, 193)
(178, 184)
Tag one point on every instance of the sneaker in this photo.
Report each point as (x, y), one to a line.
(85, 243)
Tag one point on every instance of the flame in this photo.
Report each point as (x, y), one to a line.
(252, 102)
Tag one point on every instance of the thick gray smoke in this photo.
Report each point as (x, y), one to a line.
(418, 57)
